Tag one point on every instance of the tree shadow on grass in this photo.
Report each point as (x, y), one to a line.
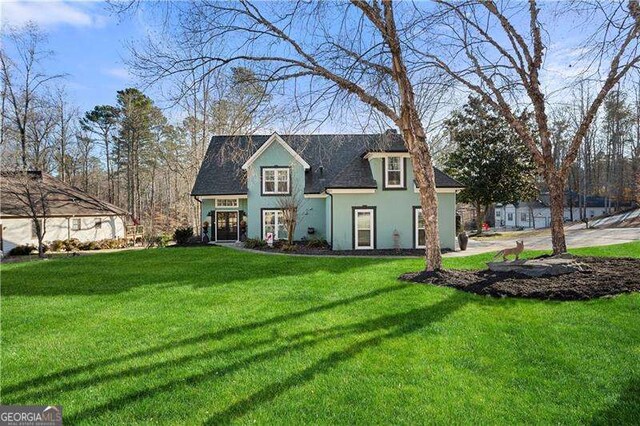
(384, 328)
(114, 273)
(201, 338)
(625, 411)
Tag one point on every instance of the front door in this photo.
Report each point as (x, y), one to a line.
(226, 226)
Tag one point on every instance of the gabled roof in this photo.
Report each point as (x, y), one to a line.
(62, 198)
(335, 161)
(275, 138)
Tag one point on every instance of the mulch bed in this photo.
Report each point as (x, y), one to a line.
(319, 251)
(603, 277)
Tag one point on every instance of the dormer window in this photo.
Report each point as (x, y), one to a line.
(394, 174)
(276, 181)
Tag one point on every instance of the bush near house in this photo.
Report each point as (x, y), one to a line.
(74, 244)
(253, 243)
(183, 235)
(22, 250)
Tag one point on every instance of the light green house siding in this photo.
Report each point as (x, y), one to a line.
(332, 216)
(312, 210)
(393, 211)
(208, 209)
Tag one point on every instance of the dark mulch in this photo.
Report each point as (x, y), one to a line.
(604, 277)
(319, 251)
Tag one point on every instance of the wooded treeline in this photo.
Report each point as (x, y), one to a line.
(131, 154)
(128, 153)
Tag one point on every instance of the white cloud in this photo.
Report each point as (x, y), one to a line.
(50, 13)
(118, 72)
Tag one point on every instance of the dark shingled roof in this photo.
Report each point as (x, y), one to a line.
(62, 199)
(336, 161)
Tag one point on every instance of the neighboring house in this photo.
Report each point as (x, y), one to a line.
(537, 214)
(72, 213)
(357, 191)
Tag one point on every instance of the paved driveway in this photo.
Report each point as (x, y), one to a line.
(575, 238)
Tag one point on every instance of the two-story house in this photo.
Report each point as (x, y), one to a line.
(355, 191)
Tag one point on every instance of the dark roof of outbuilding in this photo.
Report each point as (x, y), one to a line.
(62, 199)
(336, 161)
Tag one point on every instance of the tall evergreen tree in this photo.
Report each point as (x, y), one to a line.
(490, 160)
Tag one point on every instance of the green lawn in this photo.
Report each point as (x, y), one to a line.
(212, 335)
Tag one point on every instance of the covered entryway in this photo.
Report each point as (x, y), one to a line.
(226, 228)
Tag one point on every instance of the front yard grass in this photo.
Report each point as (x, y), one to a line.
(211, 335)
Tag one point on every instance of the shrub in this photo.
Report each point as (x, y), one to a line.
(56, 245)
(317, 243)
(288, 247)
(160, 240)
(22, 250)
(254, 243)
(71, 244)
(182, 235)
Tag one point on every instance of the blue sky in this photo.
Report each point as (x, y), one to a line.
(88, 41)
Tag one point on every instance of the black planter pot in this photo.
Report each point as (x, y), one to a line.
(463, 239)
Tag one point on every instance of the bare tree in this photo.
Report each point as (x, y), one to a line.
(32, 197)
(66, 116)
(497, 50)
(331, 52)
(291, 205)
(23, 80)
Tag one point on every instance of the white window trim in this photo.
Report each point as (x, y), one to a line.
(416, 229)
(386, 173)
(215, 224)
(79, 224)
(226, 199)
(351, 191)
(275, 185)
(372, 229)
(276, 224)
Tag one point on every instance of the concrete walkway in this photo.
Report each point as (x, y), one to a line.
(575, 238)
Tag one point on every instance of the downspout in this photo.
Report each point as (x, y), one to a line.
(331, 196)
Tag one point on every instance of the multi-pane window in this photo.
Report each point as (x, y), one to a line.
(394, 173)
(523, 217)
(364, 228)
(509, 216)
(421, 238)
(227, 202)
(273, 222)
(75, 224)
(275, 181)
(497, 213)
(98, 223)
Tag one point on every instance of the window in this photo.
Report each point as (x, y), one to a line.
(275, 181)
(510, 217)
(363, 229)
(497, 213)
(227, 202)
(420, 237)
(98, 223)
(272, 221)
(75, 224)
(523, 217)
(394, 172)
(34, 231)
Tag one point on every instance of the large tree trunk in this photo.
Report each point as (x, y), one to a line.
(479, 217)
(425, 177)
(556, 197)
